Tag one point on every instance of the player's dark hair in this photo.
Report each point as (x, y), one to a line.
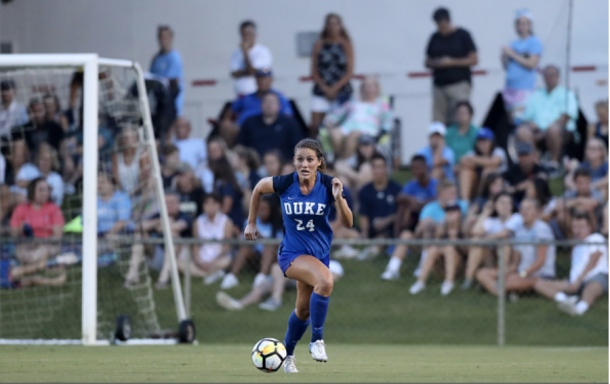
(315, 146)
(245, 24)
(32, 188)
(441, 14)
(581, 172)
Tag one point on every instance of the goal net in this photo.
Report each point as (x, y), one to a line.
(78, 172)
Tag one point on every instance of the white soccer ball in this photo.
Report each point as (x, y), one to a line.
(268, 354)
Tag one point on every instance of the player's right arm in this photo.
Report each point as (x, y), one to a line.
(262, 187)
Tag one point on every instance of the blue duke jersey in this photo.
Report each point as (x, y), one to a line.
(306, 227)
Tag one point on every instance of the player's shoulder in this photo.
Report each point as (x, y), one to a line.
(282, 183)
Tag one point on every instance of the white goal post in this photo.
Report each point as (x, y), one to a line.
(90, 64)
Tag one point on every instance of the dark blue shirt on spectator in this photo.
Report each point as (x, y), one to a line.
(186, 232)
(376, 204)
(419, 192)
(282, 134)
(236, 213)
(250, 105)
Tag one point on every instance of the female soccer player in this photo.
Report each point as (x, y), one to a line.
(306, 198)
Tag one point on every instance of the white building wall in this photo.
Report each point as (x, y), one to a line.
(389, 36)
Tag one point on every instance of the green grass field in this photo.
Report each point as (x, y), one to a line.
(348, 363)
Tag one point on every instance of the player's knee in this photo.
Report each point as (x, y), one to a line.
(325, 286)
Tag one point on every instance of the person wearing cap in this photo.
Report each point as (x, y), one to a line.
(520, 60)
(270, 129)
(369, 114)
(486, 157)
(168, 63)
(550, 117)
(247, 59)
(439, 157)
(526, 178)
(462, 135)
(450, 54)
(251, 105)
(12, 113)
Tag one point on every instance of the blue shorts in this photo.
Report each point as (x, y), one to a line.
(285, 259)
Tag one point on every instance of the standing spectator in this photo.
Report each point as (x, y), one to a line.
(357, 170)
(588, 272)
(369, 115)
(332, 66)
(193, 150)
(247, 59)
(462, 135)
(520, 60)
(41, 130)
(549, 113)
(45, 166)
(12, 113)
(450, 54)
(378, 204)
(596, 161)
(251, 105)
(168, 63)
(439, 157)
(128, 161)
(600, 129)
(226, 185)
(270, 130)
(415, 195)
(528, 263)
(40, 218)
(526, 178)
(484, 159)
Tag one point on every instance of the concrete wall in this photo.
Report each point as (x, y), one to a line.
(389, 37)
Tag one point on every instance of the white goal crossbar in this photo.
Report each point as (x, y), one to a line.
(90, 64)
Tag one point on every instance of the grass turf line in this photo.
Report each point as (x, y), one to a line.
(347, 363)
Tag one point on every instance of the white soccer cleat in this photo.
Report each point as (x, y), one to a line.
(389, 275)
(227, 302)
(569, 306)
(345, 252)
(289, 365)
(214, 277)
(446, 288)
(258, 280)
(318, 351)
(229, 281)
(417, 287)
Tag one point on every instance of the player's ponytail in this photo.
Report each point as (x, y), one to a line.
(315, 146)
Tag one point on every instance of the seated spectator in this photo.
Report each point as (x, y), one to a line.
(588, 272)
(449, 229)
(596, 161)
(485, 158)
(520, 60)
(287, 168)
(584, 199)
(21, 276)
(430, 217)
(247, 59)
(169, 165)
(332, 67)
(378, 206)
(270, 226)
(369, 115)
(41, 130)
(15, 191)
(415, 195)
(53, 111)
(128, 161)
(40, 218)
(193, 150)
(270, 130)
(217, 149)
(339, 231)
(546, 119)
(276, 287)
(357, 170)
(251, 105)
(439, 156)
(246, 171)
(211, 259)
(113, 208)
(492, 186)
(45, 166)
(496, 212)
(189, 190)
(462, 135)
(272, 164)
(526, 263)
(180, 224)
(526, 178)
(600, 129)
(12, 113)
(225, 184)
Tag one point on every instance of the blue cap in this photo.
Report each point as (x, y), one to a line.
(264, 72)
(485, 134)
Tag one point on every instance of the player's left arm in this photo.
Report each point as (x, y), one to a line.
(343, 210)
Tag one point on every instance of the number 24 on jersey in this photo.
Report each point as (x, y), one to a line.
(308, 226)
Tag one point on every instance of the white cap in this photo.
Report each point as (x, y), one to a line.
(437, 127)
(524, 13)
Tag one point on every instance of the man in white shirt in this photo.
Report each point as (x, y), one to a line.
(193, 150)
(246, 59)
(588, 273)
(12, 113)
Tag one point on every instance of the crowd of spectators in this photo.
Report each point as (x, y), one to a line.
(463, 184)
